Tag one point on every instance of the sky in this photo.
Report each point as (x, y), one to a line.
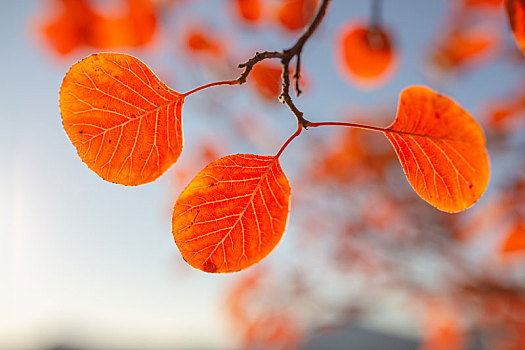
(92, 263)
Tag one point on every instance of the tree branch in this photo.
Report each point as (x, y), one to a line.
(286, 56)
(259, 56)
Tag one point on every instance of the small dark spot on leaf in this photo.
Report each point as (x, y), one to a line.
(212, 184)
(109, 141)
(470, 186)
(438, 115)
(209, 266)
(195, 217)
(80, 132)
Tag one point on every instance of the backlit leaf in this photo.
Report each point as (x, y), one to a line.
(124, 121)
(365, 55)
(232, 214)
(516, 13)
(441, 148)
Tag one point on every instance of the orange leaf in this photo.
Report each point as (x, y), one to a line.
(200, 42)
(232, 214)
(515, 241)
(72, 27)
(516, 13)
(249, 10)
(295, 14)
(267, 78)
(443, 329)
(507, 114)
(489, 3)
(462, 47)
(366, 55)
(79, 24)
(124, 121)
(135, 27)
(441, 148)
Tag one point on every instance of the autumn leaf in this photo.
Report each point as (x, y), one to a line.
(77, 24)
(443, 329)
(294, 15)
(365, 55)
(490, 3)
(462, 47)
(273, 330)
(248, 10)
(507, 114)
(71, 28)
(267, 78)
(441, 148)
(515, 240)
(232, 214)
(516, 13)
(123, 120)
(199, 41)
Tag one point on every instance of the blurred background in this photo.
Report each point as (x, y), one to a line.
(364, 263)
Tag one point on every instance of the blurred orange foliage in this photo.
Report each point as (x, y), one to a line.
(249, 11)
(201, 42)
(462, 47)
(515, 240)
(443, 330)
(506, 114)
(488, 3)
(294, 15)
(267, 78)
(72, 24)
(516, 13)
(365, 54)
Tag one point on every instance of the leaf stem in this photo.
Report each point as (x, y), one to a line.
(300, 128)
(375, 14)
(294, 135)
(217, 83)
(351, 125)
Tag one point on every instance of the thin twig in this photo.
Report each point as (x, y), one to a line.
(297, 75)
(259, 56)
(286, 56)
